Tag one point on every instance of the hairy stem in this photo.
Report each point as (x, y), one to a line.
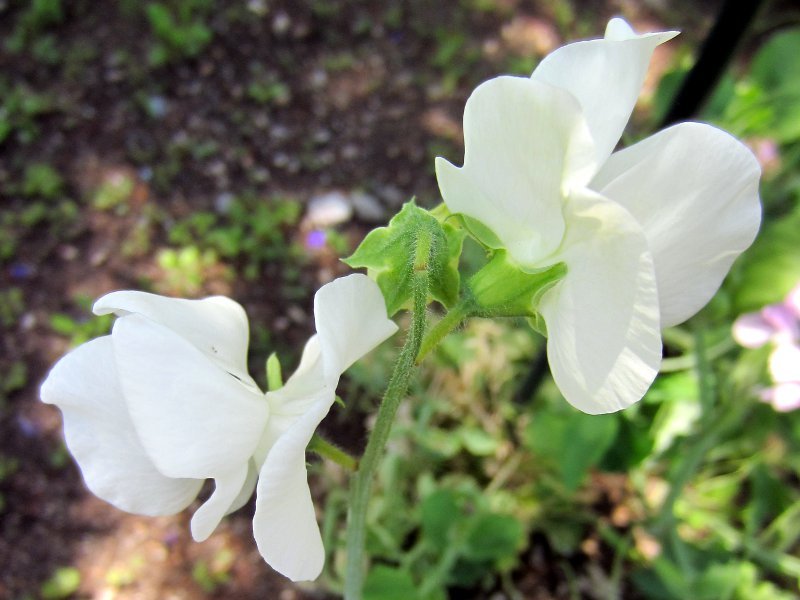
(325, 449)
(395, 392)
(437, 333)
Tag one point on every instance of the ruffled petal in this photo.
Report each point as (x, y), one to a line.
(350, 315)
(193, 418)
(217, 326)
(285, 523)
(100, 435)
(604, 340)
(525, 142)
(226, 492)
(605, 76)
(694, 191)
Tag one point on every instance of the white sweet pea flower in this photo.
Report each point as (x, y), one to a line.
(165, 402)
(647, 233)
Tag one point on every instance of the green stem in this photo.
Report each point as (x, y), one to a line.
(718, 419)
(325, 449)
(446, 324)
(395, 392)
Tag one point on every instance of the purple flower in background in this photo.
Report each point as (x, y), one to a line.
(778, 324)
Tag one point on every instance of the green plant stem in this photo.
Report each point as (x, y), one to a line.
(395, 392)
(448, 322)
(325, 449)
(718, 419)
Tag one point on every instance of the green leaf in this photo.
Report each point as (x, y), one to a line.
(388, 253)
(573, 441)
(389, 583)
(64, 582)
(494, 537)
(439, 513)
(771, 267)
(477, 441)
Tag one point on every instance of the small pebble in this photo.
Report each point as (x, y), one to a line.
(329, 209)
(367, 207)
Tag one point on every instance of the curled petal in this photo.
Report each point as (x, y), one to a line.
(227, 491)
(525, 142)
(605, 76)
(350, 315)
(285, 524)
(193, 418)
(100, 435)
(694, 191)
(604, 340)
(217, 326)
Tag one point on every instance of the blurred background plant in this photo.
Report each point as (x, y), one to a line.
(193, 148)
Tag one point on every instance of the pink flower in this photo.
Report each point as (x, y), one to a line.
(778, 324)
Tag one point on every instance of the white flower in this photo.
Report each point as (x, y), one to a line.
(647, 233)
(165, 402)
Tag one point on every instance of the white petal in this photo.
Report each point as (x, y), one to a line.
(217, 326)
(751, 330)
(248, 487)
(785, 397)
(694, 190)
(227, 490)
(193, 418)
(784, 363)
(350, 316)
(605, 76)
(524, 143)
(100, 435)
(619, 29)
(302, 391)
(285, 524)
(604, 341)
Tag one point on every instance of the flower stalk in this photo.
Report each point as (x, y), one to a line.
(395, 392)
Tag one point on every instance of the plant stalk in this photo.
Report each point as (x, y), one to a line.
(395, 392)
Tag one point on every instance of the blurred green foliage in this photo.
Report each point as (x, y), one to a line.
(179, 28)
(253, 232)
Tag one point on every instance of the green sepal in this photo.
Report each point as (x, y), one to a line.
(482, 234)
(502, 289)
(389, 253)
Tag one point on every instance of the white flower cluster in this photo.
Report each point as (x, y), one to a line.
(165, 402)
(647, 233)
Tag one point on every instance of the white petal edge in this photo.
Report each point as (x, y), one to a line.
(605, 76)
(285, 524)
(694, 190)
(350, 316)
(217, 325)
(525, 142)
(226, 492)
(100, 435)
(604, 340)
(193, 418)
